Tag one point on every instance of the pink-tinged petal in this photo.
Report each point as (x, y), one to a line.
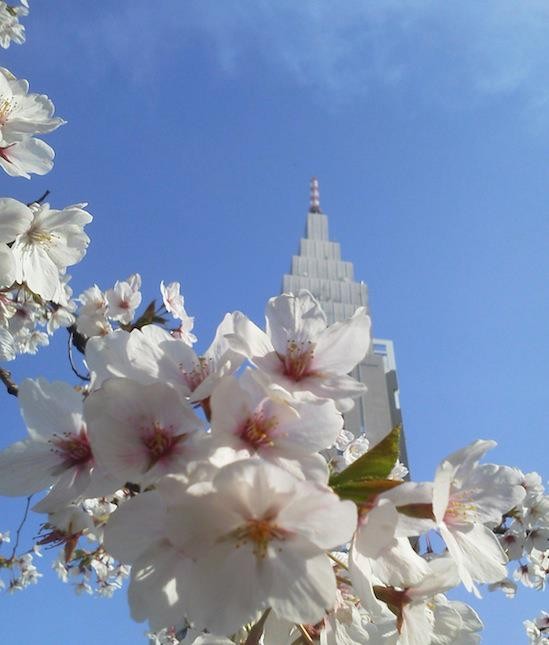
(315, 427)
(219, 347)
(362, 578)
(442, 575)
(27, 156)
(154, 351)
(294, 318)
(480, 553)
(107, 357)
(159, 581)
(134, 526)
(343, 345)
(15, 219)
(248, 339)
(303, 589)
(456, 553)
(7, 346)
(255, 486)
(135, 429)
(50, 408)
(218, 605)
(70, 486)
(417, 627)
(339, 387)
(410, 494)
(231, 405)
(493, 490)
(393, 560)
(102, 483)
(26, 467)
(306, 515)
(35, 267)
(8, 269)
(73, 215)
(306, 467)
(465, 458)
(218, 515)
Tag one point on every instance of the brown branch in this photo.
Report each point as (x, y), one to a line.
(304, 635)
(77, 339)
(40, 199)
(11, 386)
(20, 527)
(256, 632)
(70, 344)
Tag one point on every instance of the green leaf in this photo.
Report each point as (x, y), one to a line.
(364, 491)
(377, 463)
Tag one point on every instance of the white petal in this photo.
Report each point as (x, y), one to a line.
(15, 218)
(303, 589)
(343, 345)
(290, 317)
(158, 585)
(26, 468)
(134, 526)
(50, 408)
(8, 270)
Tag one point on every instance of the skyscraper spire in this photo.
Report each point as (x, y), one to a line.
(314, 206)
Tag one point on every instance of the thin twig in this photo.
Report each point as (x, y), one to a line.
(20, 528)
(83, 377)
(11, 386)
(40, 199)
(304, 634)
(338, 562)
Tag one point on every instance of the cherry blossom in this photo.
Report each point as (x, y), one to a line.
(152, 354)
(140, 432)
(54, 240)
(23, 115)
(466, 497)
(11, 30)
(123, 299)
(301, 352)
(57, 452)
(267, 421)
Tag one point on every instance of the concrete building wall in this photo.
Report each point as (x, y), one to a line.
(319, 268)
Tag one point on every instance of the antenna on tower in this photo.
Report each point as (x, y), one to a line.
(314, 206)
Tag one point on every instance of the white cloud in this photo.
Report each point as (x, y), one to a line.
(452, 51)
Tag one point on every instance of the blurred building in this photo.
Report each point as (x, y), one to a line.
(319, 268)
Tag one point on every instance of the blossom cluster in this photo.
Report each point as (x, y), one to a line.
(21, 568)
(224, 485)
(538, 630)
(101, 312)
(11, 30)
(22, 115)
(229, 485)
(37, 244)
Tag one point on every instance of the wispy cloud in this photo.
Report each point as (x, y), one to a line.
(454, 51)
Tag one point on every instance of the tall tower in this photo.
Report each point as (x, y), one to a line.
(319, 268)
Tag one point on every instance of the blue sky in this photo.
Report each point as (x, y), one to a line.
(193, 130)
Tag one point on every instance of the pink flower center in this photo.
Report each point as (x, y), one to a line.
(257, 431)
(260, 532)
(460, 509)
(198, 374)
(160, 442)
(4, 152)
(74, 448)
(298, 359)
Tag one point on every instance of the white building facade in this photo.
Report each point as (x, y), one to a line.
(319, 268)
